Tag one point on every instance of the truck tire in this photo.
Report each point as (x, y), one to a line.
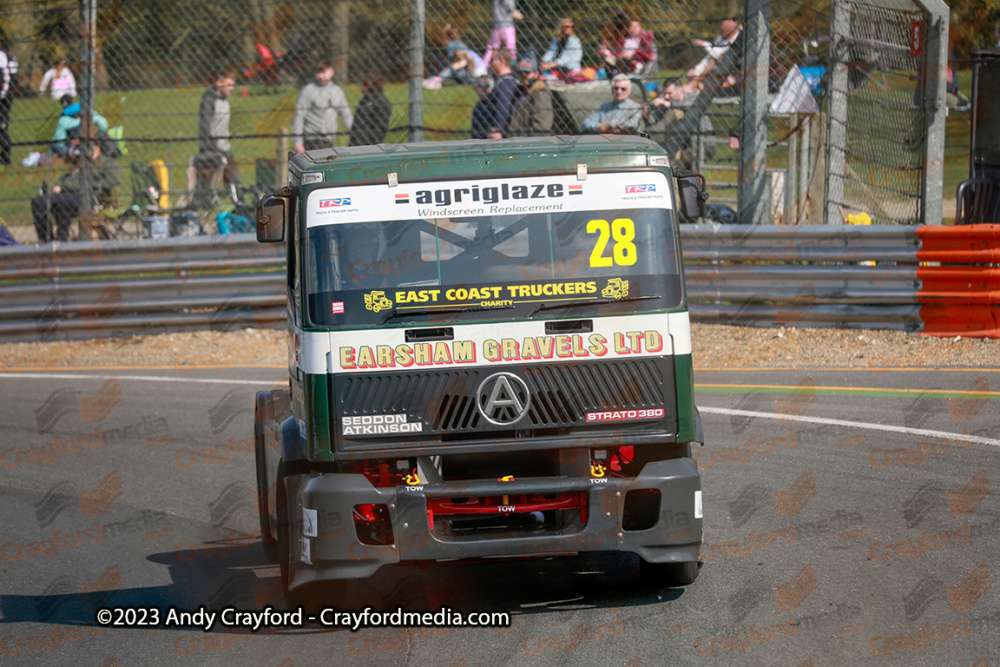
(313, 597)
(267, 542)
(669, 574)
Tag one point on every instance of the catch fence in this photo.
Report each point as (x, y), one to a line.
(152, 62)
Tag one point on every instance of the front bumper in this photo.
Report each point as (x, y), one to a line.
(321, 509)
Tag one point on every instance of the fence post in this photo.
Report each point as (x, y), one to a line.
(754, 202)
(416, 117)
(802, 196)
(790, 216)
(281, 159)
(836, 119)
(88, 28)
(935, 109)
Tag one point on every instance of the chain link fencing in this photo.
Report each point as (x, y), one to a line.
(887, 112)
(155, 60)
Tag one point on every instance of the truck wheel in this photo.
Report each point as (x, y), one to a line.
(313, 597)
(669, 574)
(267, 543)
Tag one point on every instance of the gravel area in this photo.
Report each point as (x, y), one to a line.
(715, 346)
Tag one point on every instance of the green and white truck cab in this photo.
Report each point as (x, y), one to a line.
(489, 355)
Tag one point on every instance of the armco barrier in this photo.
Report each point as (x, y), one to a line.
(962, 295)
(942, 281)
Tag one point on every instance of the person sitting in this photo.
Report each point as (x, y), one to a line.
(619, 116)
(532, 115)
(565, 53)
(59, 80)
(364, 245)
(729, 30)
(64, 200)
(465, 67)
(69, 121)
(634, 49)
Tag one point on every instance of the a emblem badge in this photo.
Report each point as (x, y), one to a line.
(503, 399)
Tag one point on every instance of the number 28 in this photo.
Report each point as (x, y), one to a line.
(622, 230)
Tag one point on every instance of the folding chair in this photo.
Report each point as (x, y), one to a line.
(977, 200)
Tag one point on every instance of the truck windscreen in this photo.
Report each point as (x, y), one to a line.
(508, 265)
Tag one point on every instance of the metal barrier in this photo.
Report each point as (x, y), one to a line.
(882, 277)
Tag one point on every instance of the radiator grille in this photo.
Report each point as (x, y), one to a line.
(561, 394)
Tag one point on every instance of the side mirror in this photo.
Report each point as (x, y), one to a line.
(691, 196)
(272, 215)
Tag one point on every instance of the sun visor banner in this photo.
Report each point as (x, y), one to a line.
(487, 197)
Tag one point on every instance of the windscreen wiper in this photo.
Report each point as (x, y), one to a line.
(428, 311)
(552, 306)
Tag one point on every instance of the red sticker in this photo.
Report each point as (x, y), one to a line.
(338, 307)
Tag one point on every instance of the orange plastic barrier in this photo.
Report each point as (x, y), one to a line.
(961, 297)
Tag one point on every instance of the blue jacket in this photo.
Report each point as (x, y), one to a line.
(70, 119)
(567, 56)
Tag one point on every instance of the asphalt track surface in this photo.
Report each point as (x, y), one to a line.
(849, 519)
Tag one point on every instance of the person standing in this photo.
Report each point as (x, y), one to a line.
(59, 80)
(213, 127)
(319, 105)
(619, 116)
(532, 115)
(8, 67)
(501, 98)
(503, 35)
(371, 118)
(482, 113)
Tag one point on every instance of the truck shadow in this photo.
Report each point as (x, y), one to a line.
(223, 575)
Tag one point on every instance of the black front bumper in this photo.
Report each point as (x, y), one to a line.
(327, 547)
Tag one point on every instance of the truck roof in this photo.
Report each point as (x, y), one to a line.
(430, 159)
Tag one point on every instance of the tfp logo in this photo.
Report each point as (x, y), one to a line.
(634, 189)
(333, 203)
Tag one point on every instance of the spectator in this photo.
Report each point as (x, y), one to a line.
(532, 115)
(8, 68)
(503, 34)
(59, 80)
(619, 116)
(69, 121)
(670, 102)
(213, 127)
(494, 133)
(729, 30)
(482, 113)
(668, 108)
(63, 202)
(501, 98)
(954, 98)
(465, 67)
(634, 49)
(320, 102)
(565, 53)
(453, 41)
(371, 118)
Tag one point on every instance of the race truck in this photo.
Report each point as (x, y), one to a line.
(489, 356)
